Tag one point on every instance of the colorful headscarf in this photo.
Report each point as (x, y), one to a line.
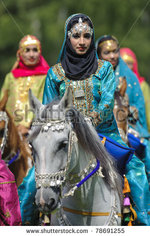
(22, 70)
(131, 55)
(77, 67)
(102, 39)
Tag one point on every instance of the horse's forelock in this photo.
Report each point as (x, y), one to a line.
(48, 110)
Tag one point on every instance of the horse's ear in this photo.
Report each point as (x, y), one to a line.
(66, 101)
(4, 100)
(34, 102)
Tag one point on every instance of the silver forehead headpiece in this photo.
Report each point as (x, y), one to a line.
(79, 28)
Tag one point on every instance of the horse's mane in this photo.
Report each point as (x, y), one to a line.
(90, 141)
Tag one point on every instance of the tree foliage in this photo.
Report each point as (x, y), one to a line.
(128, 20)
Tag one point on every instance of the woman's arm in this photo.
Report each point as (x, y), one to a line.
(104, 110)
(51, 87)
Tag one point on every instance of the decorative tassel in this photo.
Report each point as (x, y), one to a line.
(133, 216)
(133, 213)
(130, 223)
(126, 201)
(126, 188)
(128, 212)
(103, 141)
(127, 218)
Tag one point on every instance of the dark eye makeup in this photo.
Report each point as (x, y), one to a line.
(33, 49)
(85, 35)
(76, 35)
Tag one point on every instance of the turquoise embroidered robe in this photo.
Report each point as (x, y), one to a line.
(98, 95)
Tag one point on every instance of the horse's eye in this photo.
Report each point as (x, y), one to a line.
(1, 133)
(63, 145)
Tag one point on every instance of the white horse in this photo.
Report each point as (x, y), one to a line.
(76, 180)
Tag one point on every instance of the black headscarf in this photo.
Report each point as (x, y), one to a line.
(78, 67)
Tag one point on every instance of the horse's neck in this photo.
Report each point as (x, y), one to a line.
(93, 196)
(13, 136)
(11, 146)
(16, 146)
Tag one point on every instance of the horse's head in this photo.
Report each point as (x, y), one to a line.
(15, 151)
(65, 144)
(121, 107)
(49, 137)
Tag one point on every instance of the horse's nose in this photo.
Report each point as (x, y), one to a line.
(51, 203)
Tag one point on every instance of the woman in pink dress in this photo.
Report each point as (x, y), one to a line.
(9, 201)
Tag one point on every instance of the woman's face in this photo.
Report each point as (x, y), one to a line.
(110, 53)
(81, 41)
(30, 55)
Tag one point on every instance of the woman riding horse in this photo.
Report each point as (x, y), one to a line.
(108, 49)
(130, 59)
(93, 86)
(77, 182)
